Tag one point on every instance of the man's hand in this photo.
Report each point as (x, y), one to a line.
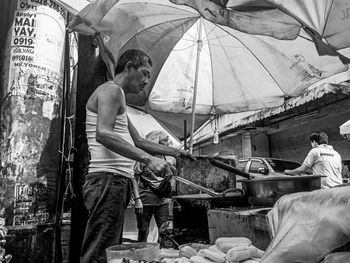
(297, 171)
(186, 154)
(138, 206)
(288, 172)
(160, 166)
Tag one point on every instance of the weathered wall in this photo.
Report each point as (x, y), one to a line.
(260, 144)
(245, 145)
(229, 145)
(292, 141)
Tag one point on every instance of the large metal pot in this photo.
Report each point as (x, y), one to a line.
(266, 191)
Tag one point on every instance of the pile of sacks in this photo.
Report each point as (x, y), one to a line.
(306, 227)
(225, 250)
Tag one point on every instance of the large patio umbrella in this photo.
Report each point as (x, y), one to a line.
(201, 67)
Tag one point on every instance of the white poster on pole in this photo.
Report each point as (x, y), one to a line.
(31, 117)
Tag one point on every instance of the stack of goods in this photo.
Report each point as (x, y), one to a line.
(306, 227)
(225, 250)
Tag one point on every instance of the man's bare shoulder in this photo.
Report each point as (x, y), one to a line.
(109, 92)
(108, 89)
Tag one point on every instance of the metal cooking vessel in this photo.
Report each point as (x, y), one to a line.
(266, 191)
(208, 191)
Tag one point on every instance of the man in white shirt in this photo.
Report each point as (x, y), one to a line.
(323, 160)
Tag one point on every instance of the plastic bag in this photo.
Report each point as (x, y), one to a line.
(340, 257)
(308, 226)
(153, 235)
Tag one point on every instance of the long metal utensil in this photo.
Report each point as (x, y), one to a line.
(198, 187)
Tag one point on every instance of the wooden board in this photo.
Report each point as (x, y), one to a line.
(229, 223)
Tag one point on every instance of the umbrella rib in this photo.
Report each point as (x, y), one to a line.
(233, 71)
(208, 35)
(187, 19)
(203, 126)
(182, 49)
(183, 39)
(211, 68)
(305, 38)
(251, 52)
(224, 46)
(173, 7)
(194, 39)
(171, 31)
(216, 38)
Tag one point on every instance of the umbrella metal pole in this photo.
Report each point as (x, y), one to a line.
(194, 101)
(185, 135)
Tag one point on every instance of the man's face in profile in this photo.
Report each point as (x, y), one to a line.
(137, 79)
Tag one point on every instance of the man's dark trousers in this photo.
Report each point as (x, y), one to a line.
(106, 196)
(161, 215)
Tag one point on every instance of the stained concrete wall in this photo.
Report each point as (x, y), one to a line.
(245, 145)
(225, 146)
(260, 144)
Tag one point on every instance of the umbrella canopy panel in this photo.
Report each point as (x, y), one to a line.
(329, 18)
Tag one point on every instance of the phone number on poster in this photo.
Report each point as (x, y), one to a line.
(23, 41)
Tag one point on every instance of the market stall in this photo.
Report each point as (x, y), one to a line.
(207, 61)
(163, 37)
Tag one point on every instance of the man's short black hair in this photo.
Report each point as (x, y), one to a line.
(137, 57)
(320, 137)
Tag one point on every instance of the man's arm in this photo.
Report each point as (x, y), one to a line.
(300, 170)
(154, 148)
(307, 164)
(109, 102)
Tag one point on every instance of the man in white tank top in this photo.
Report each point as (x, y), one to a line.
(115, 145)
